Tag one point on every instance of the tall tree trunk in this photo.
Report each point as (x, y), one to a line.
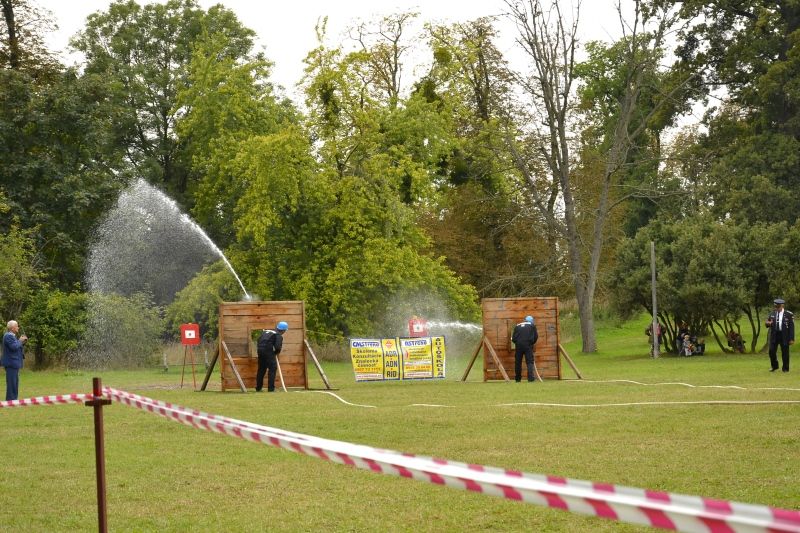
(13, 40)
(551, 44)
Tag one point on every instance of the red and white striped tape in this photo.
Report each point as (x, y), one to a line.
(59, 399)
(658, 509)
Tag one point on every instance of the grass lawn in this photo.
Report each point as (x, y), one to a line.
(163, 476)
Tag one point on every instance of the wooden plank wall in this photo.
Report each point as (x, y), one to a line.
(500, 315)
(236, 322)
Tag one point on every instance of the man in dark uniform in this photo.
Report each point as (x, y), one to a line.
(781, 332)
(524, 337)
(269, 346)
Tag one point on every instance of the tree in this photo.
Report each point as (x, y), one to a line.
(748, 53)
(22, 45)
(143, 52)
(551, 45)
(226, 101)
(60, 167)
(480, 221)
(199, 301)
(311, 223)
(55, 321)
(382, 50)
(19, 275)
(710, 274)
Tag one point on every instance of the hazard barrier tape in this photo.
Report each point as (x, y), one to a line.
(59, 399)
(627, 504)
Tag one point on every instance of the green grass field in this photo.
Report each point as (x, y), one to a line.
(163, 476)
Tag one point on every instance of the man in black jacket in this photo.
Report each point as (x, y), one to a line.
(269, 346)
(781, 332)
(524, 338)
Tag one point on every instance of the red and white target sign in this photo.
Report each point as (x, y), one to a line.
(190, 334)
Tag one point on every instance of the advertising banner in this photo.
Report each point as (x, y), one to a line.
(398, 358)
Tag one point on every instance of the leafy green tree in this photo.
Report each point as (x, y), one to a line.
(199, 302)
(710, 274)
(378, 160)
(19, 275)
(121, 332)
(60, 161)
(225, 102)
(54, 322)
(329, 223)
(663, 96)
(143, 52)
(60, 167)
(348, 248)
(22, 35)
(577, 204)
(750, 49)
(480, 220)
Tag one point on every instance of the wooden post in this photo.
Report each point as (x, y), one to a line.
(210, 369)
(535, 370)
(496, 359)
(99, 452)
(563, 352)
(280, 374)
(472, 360)
(316, 363)
(233, 367)
(654, 332)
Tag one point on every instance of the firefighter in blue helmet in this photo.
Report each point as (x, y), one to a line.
(269, 346)
(524, 338)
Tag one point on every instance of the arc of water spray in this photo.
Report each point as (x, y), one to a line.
(141, 184)
(186, 219)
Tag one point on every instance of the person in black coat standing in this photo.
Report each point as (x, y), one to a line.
(269, 346)
(524, 338)
(781, 333)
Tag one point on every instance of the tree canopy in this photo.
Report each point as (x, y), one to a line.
(391, 190)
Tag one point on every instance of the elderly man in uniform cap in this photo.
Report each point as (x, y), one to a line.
(781, 332)
(524, 337)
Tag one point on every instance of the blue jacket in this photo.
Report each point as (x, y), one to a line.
(12, 351)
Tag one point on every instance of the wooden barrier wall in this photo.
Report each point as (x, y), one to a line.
(500, 315)
(237, 320)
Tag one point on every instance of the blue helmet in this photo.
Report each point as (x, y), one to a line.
(282, 326)
(529, 318)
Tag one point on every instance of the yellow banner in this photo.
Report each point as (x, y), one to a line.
(367, 357)
(398, 358)
(417, 358)
(438, 356)
(391, 359)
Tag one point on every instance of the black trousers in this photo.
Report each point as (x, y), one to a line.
(777, 339)
(266, 362)
(519, 352)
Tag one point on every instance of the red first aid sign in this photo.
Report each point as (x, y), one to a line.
(190, 334)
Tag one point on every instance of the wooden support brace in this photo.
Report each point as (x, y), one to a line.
(233, 366)
(563, 352)
(316, 363)
(210, 369)
(472, 359)
(536, 370)
(280, 374)
(496, 359)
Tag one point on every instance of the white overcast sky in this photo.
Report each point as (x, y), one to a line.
(285, 30)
